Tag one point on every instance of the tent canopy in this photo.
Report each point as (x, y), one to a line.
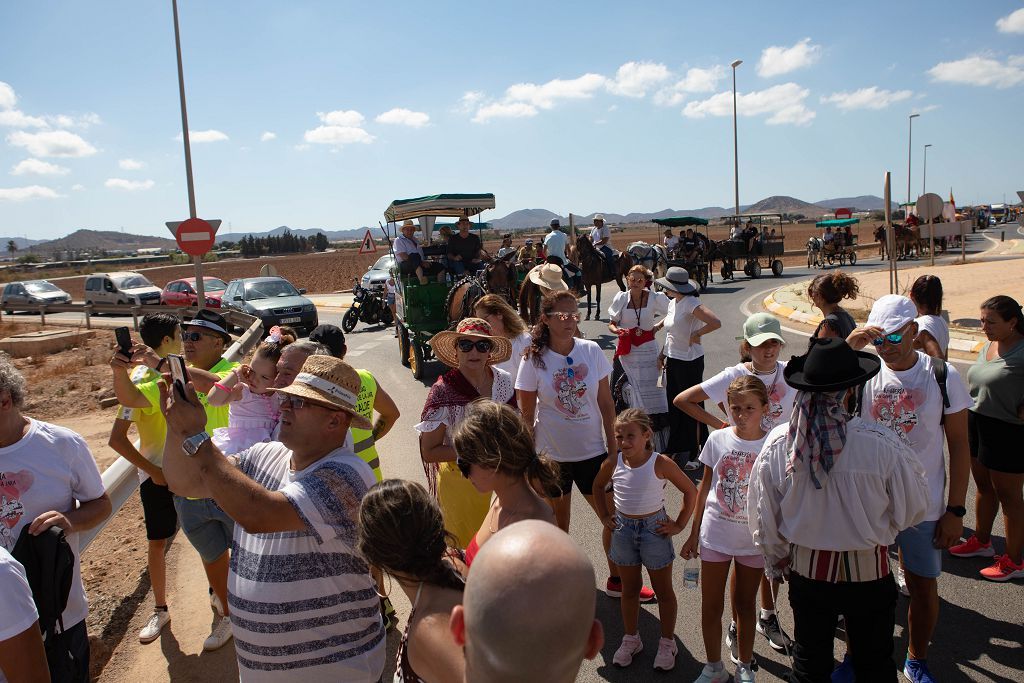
(837, 223)
(680, 221)
(452, 205)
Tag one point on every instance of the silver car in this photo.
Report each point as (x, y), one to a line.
(33, 292)
(377, 276)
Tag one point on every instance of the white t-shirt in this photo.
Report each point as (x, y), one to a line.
(511, 366)
(937, 327)
(681, 324)
(620, 313)
(19, 608)
(909, 402)
(554, 244)
(568, 424)
(505, 251)
(47, 469)
(731, 459)
(597, 234)
(780, 394)
(671, 242)
(303, 605)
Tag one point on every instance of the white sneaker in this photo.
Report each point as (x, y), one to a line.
(219, 636)
(151, 631)
(630, 647)
(744, 674)
(901, 580)
(709, 675)
(215, 605)
(665, 660)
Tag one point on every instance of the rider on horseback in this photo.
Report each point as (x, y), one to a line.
(601, 236)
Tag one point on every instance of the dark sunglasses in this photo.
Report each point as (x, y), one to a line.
(191, 336)
(463, 466)
(893, 339)
(481, 345)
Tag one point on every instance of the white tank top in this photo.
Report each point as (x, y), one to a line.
(638, 491)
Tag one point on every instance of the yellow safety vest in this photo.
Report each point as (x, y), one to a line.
(362, 439)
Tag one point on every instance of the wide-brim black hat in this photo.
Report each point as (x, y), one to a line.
(830, 365)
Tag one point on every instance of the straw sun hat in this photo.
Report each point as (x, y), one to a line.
(329, 382)
(444, 343)
(548, 276)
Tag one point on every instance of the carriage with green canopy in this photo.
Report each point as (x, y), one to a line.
(697, 265)
(421, 307)
(842, 247)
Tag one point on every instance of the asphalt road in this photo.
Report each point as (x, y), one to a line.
(979, 634)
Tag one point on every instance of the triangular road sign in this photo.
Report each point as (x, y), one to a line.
(368, 246)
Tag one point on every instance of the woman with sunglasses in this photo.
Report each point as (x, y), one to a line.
(471, 351)
(634, 316)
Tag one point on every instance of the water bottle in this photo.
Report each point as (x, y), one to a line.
(691, 573)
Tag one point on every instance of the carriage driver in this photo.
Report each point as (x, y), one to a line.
(410, 256)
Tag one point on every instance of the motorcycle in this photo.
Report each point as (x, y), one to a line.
(368, 306)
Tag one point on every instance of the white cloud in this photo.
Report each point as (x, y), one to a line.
(56, 143)
(777, 60)
(129, 185)
(78, 121)
(130, 164)
(78, 187)
(7, 97)
(37, 167)
(267, 136)
(981, 70)
(204, 136)
(546, 95)
(404, 117)
(21, 194)
(504, 110)
(18, 119)
(1012, 23)
(867, 98)
(696, 80)
(338, 136)
(344, 118)
(925, 109)
(470, 100)
(782, 104)
(634, 79)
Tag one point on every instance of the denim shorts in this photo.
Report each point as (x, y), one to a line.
(637, 541)
(920, 556)
(206, 526)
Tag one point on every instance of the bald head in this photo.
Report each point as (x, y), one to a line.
(528, 609)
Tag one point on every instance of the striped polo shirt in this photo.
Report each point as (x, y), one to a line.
(303, 605)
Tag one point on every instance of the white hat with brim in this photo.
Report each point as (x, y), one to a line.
(678, 280)
(444, 343)
(548, 276)
(892, 313)
(598, 217)
(329, 382)
(408, 224)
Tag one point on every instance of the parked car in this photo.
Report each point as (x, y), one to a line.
(34, 292)
(272, 299)
(183, 292)
(377, 276)
(121, 288)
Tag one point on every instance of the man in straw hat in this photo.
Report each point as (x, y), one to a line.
(548, 277)
(410, 256)
(828, 494)
(295, 504)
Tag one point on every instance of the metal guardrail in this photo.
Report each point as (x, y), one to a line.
(90, 310)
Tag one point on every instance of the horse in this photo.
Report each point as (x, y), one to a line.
(815, 246)
(593, 265)
(498, 277)
(880, 237)
(654, 257)
(907, 240)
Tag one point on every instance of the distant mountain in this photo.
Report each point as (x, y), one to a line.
(333, 235)
(20, 242)
(525, 218)
(865, 202)
(784, 204)
(98, 240)
(536, 218)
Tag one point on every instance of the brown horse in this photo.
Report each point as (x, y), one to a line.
(592, 263)
(498, 277)
(880, 237)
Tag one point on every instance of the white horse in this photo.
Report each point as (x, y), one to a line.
(815, 249)
(651, 256)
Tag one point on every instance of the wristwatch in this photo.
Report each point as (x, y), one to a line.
(191, 444)
(958, 510)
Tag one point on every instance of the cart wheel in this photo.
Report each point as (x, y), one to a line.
(702, 279)
(403, 344)
(831, 259)
(777, 268)
(349, 320)
(853, 258)
(416, 359)
(755, 269)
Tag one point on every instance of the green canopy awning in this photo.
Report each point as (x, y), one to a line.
(680, 221)
(837, 223)
(453, 205)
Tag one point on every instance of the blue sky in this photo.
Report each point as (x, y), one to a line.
(318, 114)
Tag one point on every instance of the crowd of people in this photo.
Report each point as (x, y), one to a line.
(273, 471)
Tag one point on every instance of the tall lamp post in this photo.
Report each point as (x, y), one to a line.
(924, 172)
(910, 137)
(735, 144)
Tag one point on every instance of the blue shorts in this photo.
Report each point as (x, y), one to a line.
(920, 556)
(637, 542)
(206, 526)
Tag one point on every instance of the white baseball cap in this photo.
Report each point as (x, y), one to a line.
(892, 312)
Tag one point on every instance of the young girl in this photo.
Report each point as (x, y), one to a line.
(721, 532)
(254, 411)
(641, 530)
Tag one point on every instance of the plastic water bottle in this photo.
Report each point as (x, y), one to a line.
(691, 574)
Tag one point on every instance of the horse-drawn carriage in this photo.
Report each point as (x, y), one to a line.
(696, 261)
(758, 240)
(841, 247)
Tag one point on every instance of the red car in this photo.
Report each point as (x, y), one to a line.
(183, 292)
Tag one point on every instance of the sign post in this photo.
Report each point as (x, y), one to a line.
(890, 237)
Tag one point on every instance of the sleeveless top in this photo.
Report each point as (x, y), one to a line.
(404, 672)
(637, 491)
(362, 439)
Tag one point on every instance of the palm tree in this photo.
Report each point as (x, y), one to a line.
(11, 248)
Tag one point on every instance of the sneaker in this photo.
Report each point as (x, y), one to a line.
(219, 635)
(692, 465)
(916, 671)
(151, 631)
(772, 630)
(630, 647)
(744, 674)
(709, 675)
(844, 672)
(216, 605)
(732, 640)
(665, 660)
(613, 589)
(972, 547)
(901, 581)
(1004, 569)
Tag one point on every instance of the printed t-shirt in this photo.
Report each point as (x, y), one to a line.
(149, 422)
(19, 608)
(731, 459)
(909, 402)
(681, 324)
(937, 327)
(216, 416)
(568, 425)
(554, 243)
(780, 394)
(47, 469)
(303, 605)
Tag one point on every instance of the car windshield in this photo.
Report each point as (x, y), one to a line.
(41, 287)
(212, 284)
(384, 263)
(269, 290)
(132, 282)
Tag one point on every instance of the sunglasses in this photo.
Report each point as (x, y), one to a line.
(191, 336)
(894, 339)
(481, 345)
(560, 315)
(463, 466)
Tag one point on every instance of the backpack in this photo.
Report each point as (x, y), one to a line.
(49, 566)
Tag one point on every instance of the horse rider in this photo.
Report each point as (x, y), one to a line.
(601, 236)
(555, 242)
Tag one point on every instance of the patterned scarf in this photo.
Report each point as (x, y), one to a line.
(817, 431)
(451, 389)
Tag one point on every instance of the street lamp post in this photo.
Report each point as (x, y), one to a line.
(735, 144)
(924, 171)
(910, 137)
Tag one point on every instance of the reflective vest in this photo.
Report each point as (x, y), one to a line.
(362, 439)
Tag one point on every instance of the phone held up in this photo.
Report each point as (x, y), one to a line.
(179, 374)
(124, 341)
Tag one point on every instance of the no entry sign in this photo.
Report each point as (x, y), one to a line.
(195, 236)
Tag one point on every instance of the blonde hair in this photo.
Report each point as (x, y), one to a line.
(639, 417)
(492, 304)
(747, 384)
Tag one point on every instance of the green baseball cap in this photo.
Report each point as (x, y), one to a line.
(760, 327)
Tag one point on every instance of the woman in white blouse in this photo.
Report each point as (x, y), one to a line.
(634, 317)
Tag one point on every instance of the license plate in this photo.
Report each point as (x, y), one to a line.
(285, 321)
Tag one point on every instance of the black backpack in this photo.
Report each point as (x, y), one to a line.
(49, 566)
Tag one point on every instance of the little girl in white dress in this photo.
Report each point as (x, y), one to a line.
(254, 410)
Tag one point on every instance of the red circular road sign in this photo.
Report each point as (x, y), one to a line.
(195, 236)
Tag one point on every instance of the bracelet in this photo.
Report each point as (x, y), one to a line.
(222, 387)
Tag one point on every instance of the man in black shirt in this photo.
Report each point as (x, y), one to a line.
(464, 250)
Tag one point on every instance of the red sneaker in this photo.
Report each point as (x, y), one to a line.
(972, 547)
(1004, 569)
(613, 589)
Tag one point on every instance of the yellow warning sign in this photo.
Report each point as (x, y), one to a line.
(368, 246)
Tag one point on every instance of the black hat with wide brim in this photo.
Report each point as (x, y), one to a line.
(830, 365)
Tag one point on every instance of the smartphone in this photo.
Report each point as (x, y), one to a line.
(124, 341)
(179, 373)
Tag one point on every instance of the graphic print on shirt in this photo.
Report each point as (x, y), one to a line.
(570, 387)
(896, 408)
(13, 485)
(733, 478)
(771, 418)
